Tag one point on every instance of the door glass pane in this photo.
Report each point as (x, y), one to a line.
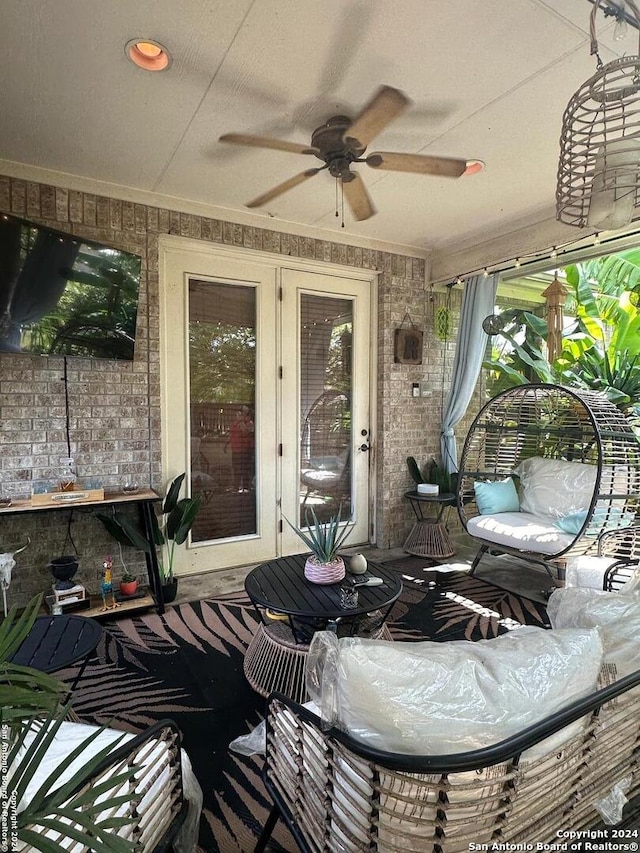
(222, 370)
(325, 405)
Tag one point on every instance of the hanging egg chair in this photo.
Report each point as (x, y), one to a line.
(547, 471)
(599, 168)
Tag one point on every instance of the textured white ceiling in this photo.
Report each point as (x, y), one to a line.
(488, 80)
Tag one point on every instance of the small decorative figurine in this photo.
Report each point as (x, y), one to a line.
(358, 564)
(106, 587)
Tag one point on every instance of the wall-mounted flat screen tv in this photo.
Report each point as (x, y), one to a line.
(62, 295)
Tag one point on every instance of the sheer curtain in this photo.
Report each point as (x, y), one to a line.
(478, 300)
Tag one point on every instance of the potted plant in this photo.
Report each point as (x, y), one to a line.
(433, 473)
(324, 565)
(177, 517)
(128, 584)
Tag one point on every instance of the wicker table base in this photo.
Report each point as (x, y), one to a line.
(274, 661)
(429, 539)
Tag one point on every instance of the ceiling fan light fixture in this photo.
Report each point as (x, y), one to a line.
(473, 167)
(148, 54)
(340, 143)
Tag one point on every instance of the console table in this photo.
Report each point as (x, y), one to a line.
(144, 499)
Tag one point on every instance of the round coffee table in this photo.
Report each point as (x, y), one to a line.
(292, 609)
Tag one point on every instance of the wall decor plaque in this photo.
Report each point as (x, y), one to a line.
(407, 346)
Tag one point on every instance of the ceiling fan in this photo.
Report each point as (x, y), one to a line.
(340, 142)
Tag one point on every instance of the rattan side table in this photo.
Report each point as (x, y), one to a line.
(429, 536)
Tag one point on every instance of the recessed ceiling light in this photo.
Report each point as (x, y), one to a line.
(473, 167)
(148, 54)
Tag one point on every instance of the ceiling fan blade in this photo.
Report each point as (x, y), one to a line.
(283, 188)
(445, 167)
(268, 142)
(358, 198)
(381, 110)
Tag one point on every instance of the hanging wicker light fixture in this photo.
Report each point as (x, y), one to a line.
(599, 170)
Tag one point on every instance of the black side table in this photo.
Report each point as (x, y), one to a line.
(56, 642)
(429, 537)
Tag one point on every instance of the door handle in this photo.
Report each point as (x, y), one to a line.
(364, 447)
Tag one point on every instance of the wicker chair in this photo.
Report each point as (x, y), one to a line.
(336, 794)
(553, 423)
(624, 547)
(325, 446)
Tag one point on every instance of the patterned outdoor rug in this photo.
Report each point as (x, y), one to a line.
(187, 665)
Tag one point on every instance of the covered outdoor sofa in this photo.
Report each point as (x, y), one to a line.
(529, 738)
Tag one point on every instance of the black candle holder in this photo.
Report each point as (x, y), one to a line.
(63, 569)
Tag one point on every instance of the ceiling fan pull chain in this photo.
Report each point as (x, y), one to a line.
(337, 214)
(342, 196)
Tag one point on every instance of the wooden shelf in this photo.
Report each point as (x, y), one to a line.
(25, 504)
(126, 607)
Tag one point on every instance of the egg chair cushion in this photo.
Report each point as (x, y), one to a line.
(555, 487)
(520, 530)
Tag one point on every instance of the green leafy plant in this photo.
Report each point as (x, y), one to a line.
(31, 715)
(127, 577)
(600, 352)
(323, 539)
(178, 517)
(432, 473)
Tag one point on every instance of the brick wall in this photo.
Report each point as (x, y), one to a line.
(115, 406)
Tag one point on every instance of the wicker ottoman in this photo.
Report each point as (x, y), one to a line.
(274, 661)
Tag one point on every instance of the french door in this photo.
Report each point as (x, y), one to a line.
(260, 403)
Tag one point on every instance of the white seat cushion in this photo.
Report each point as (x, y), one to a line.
(520, 530)
(440, 698)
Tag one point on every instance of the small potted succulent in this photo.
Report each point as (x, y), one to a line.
(324, 565)
(128, 584)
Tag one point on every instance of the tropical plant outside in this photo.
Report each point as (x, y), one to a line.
(600, 350)
(222, 362)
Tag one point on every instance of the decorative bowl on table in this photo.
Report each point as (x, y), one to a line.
(324, 573)
(428, 489)
(63, 569)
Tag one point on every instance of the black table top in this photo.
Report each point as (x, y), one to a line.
(55, 642)
(281, 586)
(443, 497)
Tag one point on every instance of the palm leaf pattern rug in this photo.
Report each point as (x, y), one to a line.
(187, 665)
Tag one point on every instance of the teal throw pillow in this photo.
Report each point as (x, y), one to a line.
(612, 519)
(571, 523)
(496, 496)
